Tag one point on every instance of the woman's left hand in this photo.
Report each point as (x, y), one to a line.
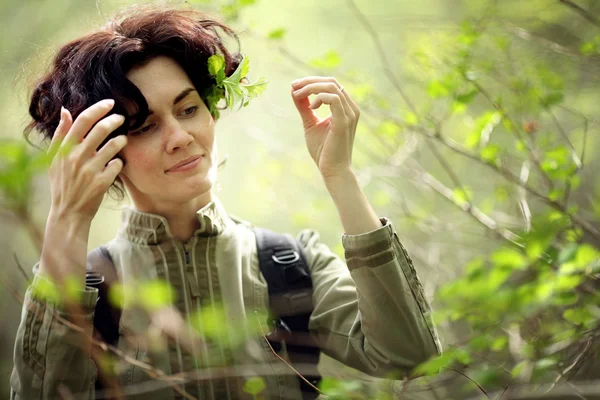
(330, 140)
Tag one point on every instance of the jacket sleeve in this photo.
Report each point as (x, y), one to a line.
(370, 313)
(49, 357)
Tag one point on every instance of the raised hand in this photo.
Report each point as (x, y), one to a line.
(330, 140)
(80, 175)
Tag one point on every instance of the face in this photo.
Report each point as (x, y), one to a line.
(172, 158)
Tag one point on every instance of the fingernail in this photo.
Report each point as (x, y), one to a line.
(62, 114)
(296, 92)
(294, 83)
(109, 102)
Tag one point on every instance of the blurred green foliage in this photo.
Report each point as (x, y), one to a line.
(478, 137)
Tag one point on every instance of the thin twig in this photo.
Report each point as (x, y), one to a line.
(525, 210)
(285, 362)
(470, 209)
(470, 379)
(20, 267)
(581, 11)
(448, 169)
(562, 132)
(513, 128)
(382, 54)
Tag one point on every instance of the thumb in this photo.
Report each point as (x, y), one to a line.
(307, 114)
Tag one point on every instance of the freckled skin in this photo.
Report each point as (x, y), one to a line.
(174, 133)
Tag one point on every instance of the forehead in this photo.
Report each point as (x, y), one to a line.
(160, 80)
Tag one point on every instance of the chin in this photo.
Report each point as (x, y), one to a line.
(193, 190)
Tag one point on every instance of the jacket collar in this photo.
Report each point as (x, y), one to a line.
(147, 228)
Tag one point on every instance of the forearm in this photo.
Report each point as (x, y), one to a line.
(355, 211)
(64, 251)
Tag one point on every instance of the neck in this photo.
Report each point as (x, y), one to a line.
(181, 217)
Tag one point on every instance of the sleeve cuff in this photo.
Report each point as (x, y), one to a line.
(370, 249)
(43, 289)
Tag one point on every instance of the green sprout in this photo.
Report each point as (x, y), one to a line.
(231, 87)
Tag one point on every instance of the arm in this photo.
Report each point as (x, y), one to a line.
(370, 314)
(51, 357)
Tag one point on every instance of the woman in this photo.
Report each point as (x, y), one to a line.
(133, 106)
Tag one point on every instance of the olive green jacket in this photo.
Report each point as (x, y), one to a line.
(369, 313)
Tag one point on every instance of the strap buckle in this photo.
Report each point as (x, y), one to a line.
(285, 256)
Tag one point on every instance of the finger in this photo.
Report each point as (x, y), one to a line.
(325, 87)
(61, 130)
(352, 104)
(112, 170)
(307, 115)
(108, 152)
(300, 83)
(100, 132)
(86, 120)
(334, 101)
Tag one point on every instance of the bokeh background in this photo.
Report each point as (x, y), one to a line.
(536, 59)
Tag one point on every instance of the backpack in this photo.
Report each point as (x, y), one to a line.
(284, 267)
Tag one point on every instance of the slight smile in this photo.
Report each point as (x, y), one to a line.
(186, 165)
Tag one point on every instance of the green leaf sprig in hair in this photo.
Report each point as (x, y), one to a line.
(231, 87)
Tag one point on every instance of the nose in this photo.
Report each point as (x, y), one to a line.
(176, 136)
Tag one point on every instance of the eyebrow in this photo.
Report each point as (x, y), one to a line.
(184, 93)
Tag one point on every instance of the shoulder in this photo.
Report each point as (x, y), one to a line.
(308, 238)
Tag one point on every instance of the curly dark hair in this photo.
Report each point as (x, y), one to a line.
(94, 67)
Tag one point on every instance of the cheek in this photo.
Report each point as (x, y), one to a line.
(139, 160)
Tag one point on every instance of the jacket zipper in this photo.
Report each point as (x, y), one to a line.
(186, 254)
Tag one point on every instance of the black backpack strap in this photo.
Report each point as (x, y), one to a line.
(283, 264)
(101, 274)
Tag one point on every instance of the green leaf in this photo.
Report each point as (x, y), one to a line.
(216, 64)
(44, 289)
(586, 254)
(411, 118)
(277, 34)
(156, 294)
(588, 48)
(211, 320)
(254, 385)
(499, 343)
(256, 88)
(437, 364)
(467, 97)
(388, 129)
(519, 368)
(490, 153)
(437, 89)
(240, 72)
(116, 295)
(552, 99)
(567, 253)
(330, 60)
(462, 196)
(509, 258)
(578, 316)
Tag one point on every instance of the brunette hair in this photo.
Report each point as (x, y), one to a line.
(94, 67)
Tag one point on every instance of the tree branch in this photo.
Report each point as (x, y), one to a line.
(382, 55)
(581, 11)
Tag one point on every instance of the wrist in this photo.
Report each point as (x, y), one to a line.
(340, 182)
(70, 224)
(65, 246)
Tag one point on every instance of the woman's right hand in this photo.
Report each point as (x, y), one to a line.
(80, 175)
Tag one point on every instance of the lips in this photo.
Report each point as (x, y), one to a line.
(188, 163)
